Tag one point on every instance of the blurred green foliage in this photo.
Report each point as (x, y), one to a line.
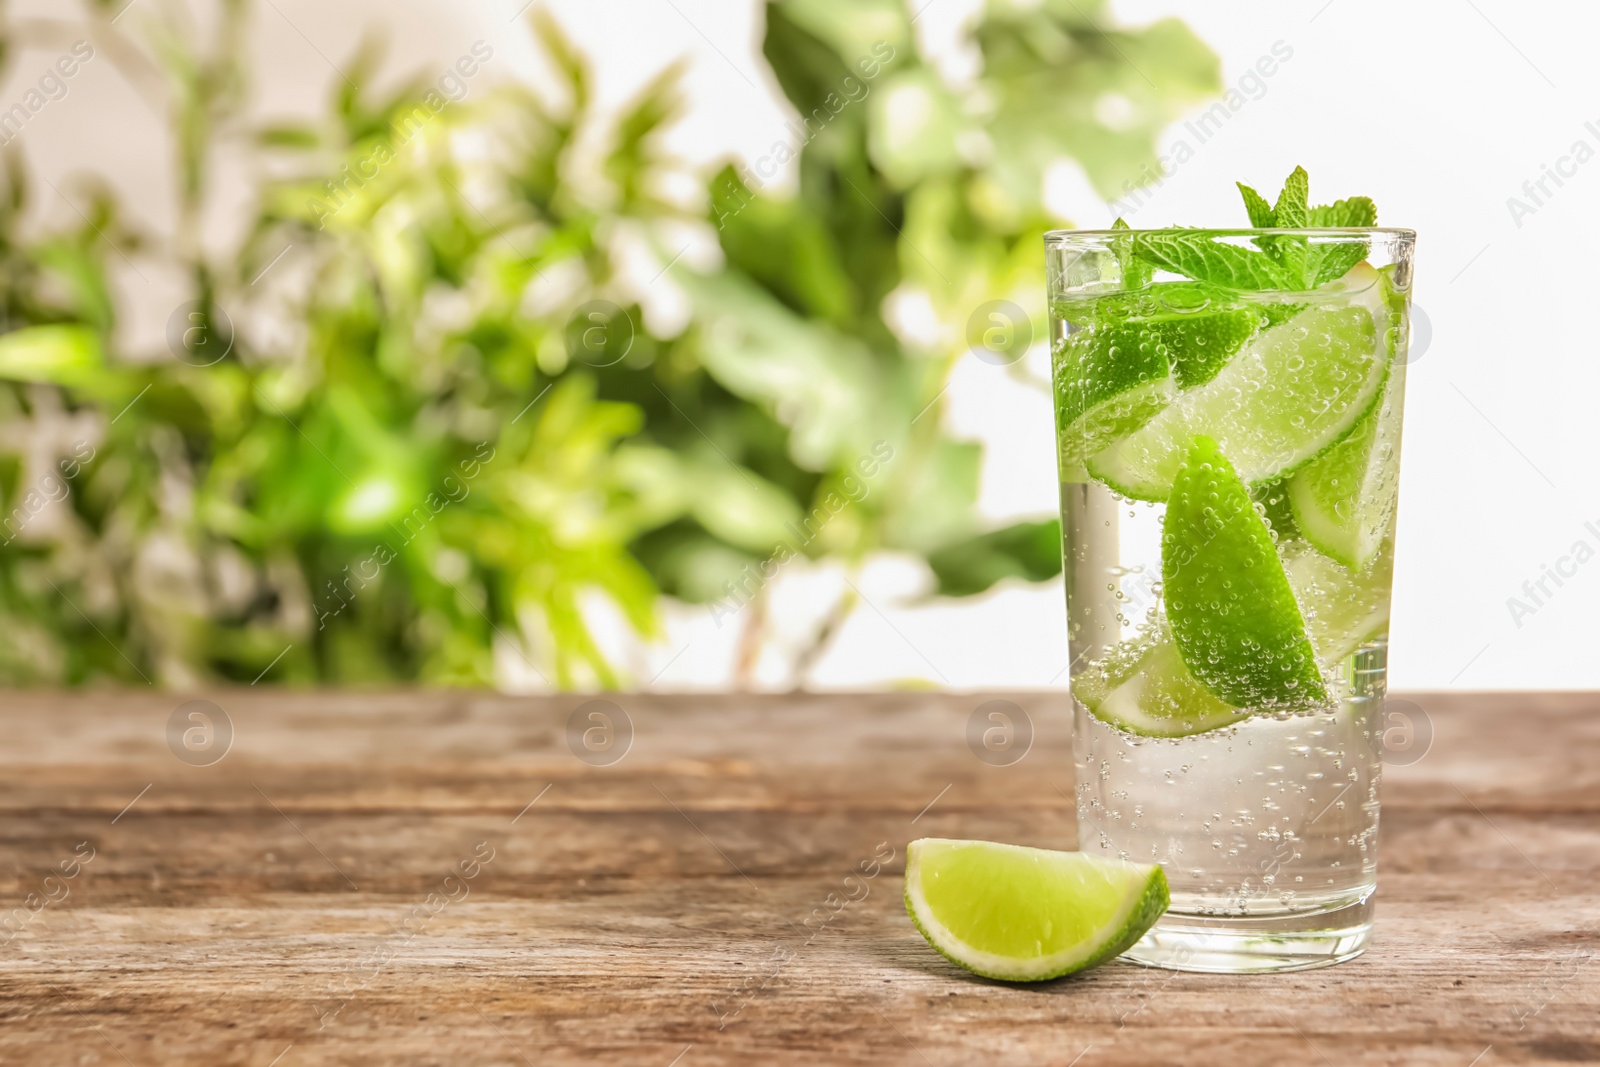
(413, 448)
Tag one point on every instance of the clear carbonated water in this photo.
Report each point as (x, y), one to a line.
(1275, 815)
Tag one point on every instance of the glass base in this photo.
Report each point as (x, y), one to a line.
(1222, 945)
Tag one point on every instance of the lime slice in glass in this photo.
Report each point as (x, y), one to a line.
(1344, 499)
(1292, 391)
(1344, 609)
(1232, 612)
(1198, 345)
(1027, 914)
(1147, 690)
(1108, 383)
(1120, 371)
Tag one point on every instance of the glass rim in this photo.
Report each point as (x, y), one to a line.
(1402, 233)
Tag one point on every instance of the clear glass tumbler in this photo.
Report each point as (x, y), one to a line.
(1229, 445)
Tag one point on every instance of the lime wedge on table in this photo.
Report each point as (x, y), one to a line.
(1132, 356)
(1343, 500)
(1027, 914)
(1232, 611)
(1296, 388)
(1146, 689)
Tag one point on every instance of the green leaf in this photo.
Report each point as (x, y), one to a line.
(1261, 215)
(1027, 550)
(854, 29)
(58, 355)
(1330, 261)
(1354, 211)
(564, 54)
(822, 384)
(631, 161)
(740, 508)
(1049, 68)
(786, 246)
(807, 66)
(1135, 271)
(688, 563)
(288, 136)
(1196, 255)
(934, 495)
(916, 127)
(83, 276)
(1290, 212)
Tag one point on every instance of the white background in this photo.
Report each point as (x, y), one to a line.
(1439, 111)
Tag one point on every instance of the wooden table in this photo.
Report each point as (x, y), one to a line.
(439, 879)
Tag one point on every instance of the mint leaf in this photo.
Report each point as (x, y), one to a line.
(1135, 271)
(1194, 255)
(1356, 211)
(1290, 212)
(1330, 261)
(1260, 211)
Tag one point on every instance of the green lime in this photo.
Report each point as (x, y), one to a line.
(1117, 373)
(1108, 383)
(1344, 499)
(1027, 914)
(1344, 609)
(1292, 391)
(1200, 345)
(1230, 606)
(1146, 689)
(1272, 500)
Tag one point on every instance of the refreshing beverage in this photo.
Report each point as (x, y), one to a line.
(1228, 409)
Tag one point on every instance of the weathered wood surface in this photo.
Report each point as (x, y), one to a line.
(274, 907)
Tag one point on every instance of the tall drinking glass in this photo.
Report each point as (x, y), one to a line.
(1229, 445)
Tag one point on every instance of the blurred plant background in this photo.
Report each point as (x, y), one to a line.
(428, 424)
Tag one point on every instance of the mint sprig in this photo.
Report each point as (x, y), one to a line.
(1283, 262)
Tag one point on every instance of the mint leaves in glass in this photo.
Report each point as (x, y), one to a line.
(1228, 414)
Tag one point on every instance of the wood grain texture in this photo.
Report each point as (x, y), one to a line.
(293, 903)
